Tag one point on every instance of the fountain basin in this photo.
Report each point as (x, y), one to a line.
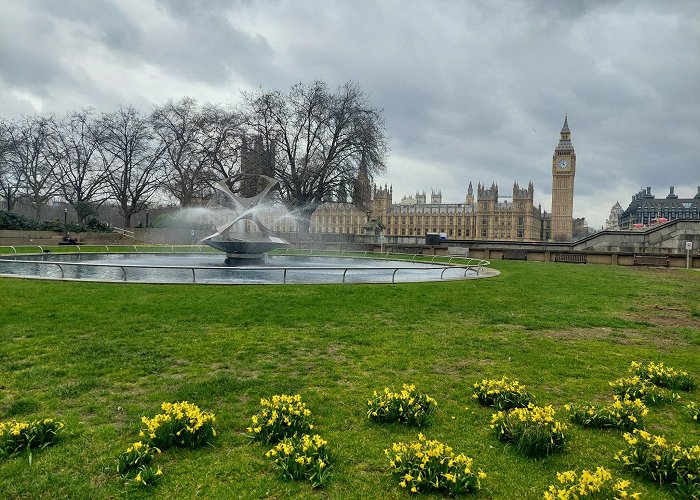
(209, 268)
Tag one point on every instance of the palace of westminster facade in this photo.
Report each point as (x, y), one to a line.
(484, 215)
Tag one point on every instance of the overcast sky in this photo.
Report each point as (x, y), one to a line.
(471, 90)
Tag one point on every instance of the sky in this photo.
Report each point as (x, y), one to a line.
(472, 90)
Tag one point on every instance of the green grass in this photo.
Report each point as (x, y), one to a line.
(99, 356)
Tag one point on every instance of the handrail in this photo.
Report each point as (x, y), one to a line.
(299, 252)
(286, 269)
(124, 232)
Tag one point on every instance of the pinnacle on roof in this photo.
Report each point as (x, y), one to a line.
(565, 137)
(565, 128)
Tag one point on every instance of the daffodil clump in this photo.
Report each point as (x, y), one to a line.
(663, 376)
(502, 394)
(135, 463)
(408, 406)
(304, 457)
(429, 465)
(694, 410)
(181, 424)
(16, 436)
(624, 414)
(148, 476)
(136, 455)
(638, 388)
(599, 484)
(533, 430)
(281, 416)
(664, 463)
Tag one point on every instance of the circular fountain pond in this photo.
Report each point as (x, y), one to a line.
(208, 268)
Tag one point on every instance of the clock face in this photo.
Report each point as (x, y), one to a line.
(562, 163)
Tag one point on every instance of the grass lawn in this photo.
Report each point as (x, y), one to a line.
(99, 356)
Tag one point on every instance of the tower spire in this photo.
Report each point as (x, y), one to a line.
(565, 138)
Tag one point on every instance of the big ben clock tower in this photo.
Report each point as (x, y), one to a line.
(563, 171)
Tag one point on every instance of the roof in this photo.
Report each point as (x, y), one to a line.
(374, 224)
(565, 128)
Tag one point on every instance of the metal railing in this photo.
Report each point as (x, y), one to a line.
(345, 272)
(470, 261)
(124, 232)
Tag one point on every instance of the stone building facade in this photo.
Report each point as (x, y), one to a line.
(613, 220)
(563, 172)
(646, 209)
(483, 215)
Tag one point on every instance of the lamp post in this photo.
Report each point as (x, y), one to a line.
(147, 212)
(65, 216)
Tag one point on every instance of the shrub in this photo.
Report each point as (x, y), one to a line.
(429, 465)
(135, 457)
(304, 457)
(663, 376)
(533, 430)
(638, 388)
(182, 424)
(694, 410)
(281, 416)
(624, 414)
(599, 484)
(656, 459)
(502, 394)
(16, 221)
(408, 406)
(17, 436)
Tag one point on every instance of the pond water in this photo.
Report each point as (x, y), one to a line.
(211, 268)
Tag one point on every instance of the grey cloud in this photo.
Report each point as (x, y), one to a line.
(470, 90)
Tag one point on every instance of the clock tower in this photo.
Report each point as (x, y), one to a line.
(563, 171)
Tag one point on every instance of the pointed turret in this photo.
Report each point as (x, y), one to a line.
(565, 145)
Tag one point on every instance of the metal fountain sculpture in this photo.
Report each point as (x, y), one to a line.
(244, 246)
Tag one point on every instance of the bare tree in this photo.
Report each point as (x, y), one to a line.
(131, 158)
(322, 141)
(74, 147)
(10, 176)
(179, 127)
(33, 166)
(221, 142)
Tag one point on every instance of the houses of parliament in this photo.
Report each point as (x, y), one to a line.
(483, 215)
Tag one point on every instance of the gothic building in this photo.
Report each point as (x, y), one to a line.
(256, 160)
(613, 220)
(563, 172)
(646, 209)
(485, 214)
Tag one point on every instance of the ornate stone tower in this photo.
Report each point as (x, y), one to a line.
(563, 171)
(381, 202)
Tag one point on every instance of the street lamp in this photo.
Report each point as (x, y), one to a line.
(147, 212)
(65, 216)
